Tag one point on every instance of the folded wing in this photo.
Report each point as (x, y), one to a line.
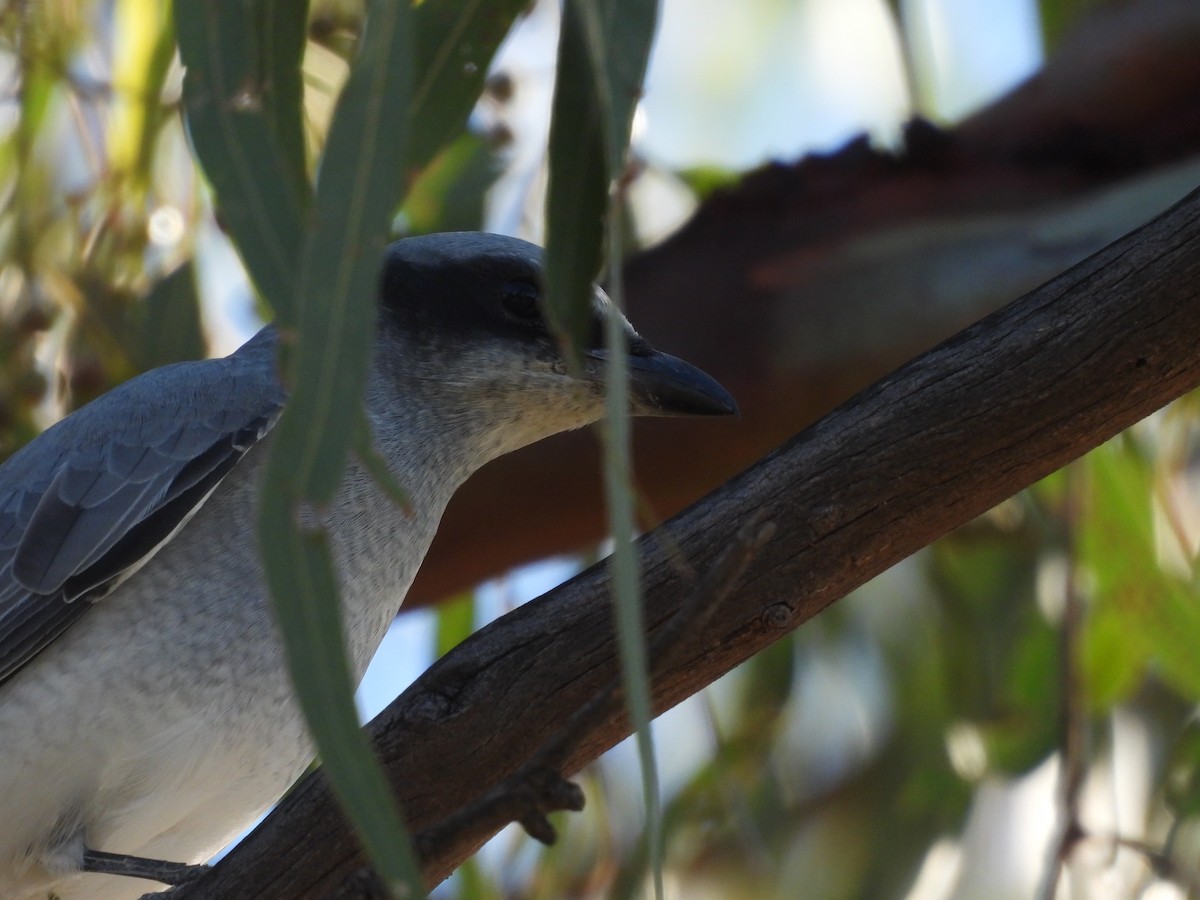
(88, 502)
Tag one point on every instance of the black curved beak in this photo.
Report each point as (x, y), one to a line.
(662, 385)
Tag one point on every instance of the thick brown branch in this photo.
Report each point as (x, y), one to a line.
(921, 452)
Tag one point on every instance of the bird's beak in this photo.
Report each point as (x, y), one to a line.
(661, 385)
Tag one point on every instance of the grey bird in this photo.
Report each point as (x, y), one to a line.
(144, 704)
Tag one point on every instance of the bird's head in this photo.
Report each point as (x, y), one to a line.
(461, 323)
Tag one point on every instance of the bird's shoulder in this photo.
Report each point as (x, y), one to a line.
(95, 495)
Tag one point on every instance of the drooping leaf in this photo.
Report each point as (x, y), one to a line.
(166, 323)
(369, 457)
(300, 567)
(454, 42)
(1025, 728)
(282, 30)
(260, 199)
(577, 191)
(315, 257)
(1182, 792)
(359, 186)
(602, 53)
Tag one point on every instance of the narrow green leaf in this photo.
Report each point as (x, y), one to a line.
(300, 568)
(1182, 787)
(626, 574)
(1024, 727)
(577, 192)
(359, 187)
(143, 32)
(602, 53)
(282, 32)
(37, 89)
(1112, 658)
(166, 323)
(316, 259)
(257, 195)
(455, 41)
(1115, 537)
(622, 49)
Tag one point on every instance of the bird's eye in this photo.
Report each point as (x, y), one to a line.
(520, 300)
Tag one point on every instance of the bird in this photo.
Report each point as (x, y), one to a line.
(145, 706)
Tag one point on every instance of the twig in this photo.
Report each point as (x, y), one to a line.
(1073, 722)
(1161, 864)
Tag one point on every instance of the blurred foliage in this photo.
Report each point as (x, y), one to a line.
(80, 157)
(103, 207)
(844, 761)
(1058, 16)
(449, 194)
(455, 623)
(707, 180)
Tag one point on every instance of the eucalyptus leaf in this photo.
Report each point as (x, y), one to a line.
(315, 258)
(166, 324)
(260, 200)
(282, 28)
(454, 43)
(369, 457)
(359, 186)
(602, 53)
(449, 195)
(299, 567)
(1182, 792)
(577, 191)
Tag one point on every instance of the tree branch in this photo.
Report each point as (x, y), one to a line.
(923, 451)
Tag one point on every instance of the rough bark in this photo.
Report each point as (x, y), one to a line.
(924, 450)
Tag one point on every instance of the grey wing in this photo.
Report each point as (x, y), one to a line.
(88, 502)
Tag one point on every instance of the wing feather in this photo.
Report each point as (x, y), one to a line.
(89, 501)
